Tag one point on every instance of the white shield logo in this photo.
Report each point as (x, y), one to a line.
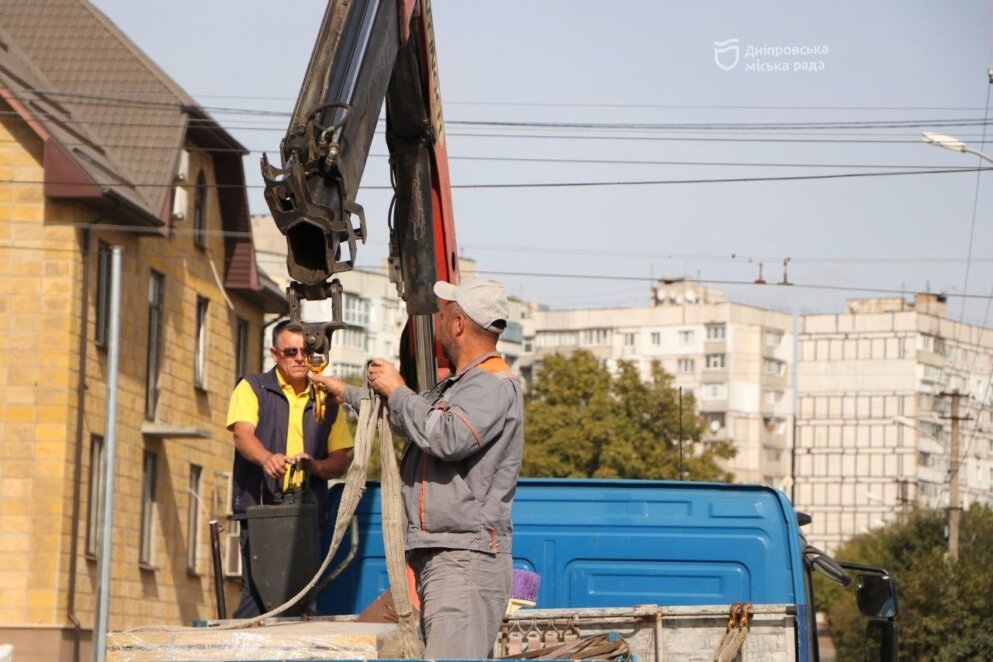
(722, 47)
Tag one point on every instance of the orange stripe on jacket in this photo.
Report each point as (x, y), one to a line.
(494, 365)
(420, 505)
(472, 430)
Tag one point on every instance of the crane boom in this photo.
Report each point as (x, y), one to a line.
(368, 53)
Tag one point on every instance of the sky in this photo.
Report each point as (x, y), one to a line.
(632, 109)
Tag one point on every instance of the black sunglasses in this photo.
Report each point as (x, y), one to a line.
(291, 352)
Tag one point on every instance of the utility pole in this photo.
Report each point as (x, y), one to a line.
(954, 510)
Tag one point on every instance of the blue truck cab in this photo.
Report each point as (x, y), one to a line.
(623, 543)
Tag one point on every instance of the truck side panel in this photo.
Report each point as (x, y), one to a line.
(623, 543)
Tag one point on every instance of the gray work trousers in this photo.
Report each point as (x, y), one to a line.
(464, 597)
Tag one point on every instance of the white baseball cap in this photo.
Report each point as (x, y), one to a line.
(483, 301)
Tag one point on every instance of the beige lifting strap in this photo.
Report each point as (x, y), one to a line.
(394, 525)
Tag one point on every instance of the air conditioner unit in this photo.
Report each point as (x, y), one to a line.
(232, 549)
(223, 488)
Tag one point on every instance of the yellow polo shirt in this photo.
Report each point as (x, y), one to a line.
(244, 408)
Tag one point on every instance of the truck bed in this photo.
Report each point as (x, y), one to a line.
(651, 633)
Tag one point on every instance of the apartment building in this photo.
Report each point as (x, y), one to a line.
(874, 389)
(79, 179)
(734, 358)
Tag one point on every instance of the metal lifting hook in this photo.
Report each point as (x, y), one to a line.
(316, 363)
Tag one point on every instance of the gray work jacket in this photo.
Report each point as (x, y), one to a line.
(465, 440)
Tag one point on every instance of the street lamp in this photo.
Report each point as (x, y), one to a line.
(952, 143)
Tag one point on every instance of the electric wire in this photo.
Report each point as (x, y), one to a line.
(587, 184)
(965, 287)
(137, 96)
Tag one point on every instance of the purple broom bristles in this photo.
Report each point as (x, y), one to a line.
(525, 586)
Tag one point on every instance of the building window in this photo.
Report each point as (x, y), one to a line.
(156, 285)
(716, 331)
(774, 425)
(241, 350)
(200, 351)
(773, 397)
(589, 337)
(513, 333)
(773, 337)
(103, 294)
(146, 550)
(352, 337)
(344, 369)
(715, 391)
(656, 338)
(629, 339)
(556, 339)
(714, 421)
(356, 310)
(98, 478)
(932, 374)
(686, 337)
(773, 367)
(686, 365)
(193, 521)
(200, 211)
(714, 361)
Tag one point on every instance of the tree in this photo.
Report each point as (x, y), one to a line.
(944, 606)
(582, 421)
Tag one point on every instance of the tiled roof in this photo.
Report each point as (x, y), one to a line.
(110, 89)
(113, 122)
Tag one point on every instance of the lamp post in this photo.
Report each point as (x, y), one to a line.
(954, 510)
(952, 143)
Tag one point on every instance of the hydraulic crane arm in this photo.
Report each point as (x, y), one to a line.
(367, 53)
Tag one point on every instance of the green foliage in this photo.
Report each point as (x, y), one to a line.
(584, 422)
(944, 606)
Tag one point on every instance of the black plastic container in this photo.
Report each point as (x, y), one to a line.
(285, 545)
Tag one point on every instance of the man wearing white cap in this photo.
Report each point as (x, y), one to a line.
(465, 439)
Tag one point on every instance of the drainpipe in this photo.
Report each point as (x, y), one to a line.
(77, 477)
(110, 440)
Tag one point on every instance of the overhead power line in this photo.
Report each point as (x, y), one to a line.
(589, 184)
(935, 122)
(156, 232)
(731, 258)
(128, 96)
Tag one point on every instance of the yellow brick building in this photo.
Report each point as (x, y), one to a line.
(99, 148)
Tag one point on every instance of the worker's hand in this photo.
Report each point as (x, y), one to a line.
(384, 378)
(275, 465)
(334, 386)
(302, 461)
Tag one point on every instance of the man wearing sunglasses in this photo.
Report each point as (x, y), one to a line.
(465, 439)
(271, 417)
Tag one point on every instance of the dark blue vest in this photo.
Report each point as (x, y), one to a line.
(251, 485)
